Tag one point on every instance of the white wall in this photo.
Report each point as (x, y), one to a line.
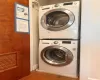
(90, 40)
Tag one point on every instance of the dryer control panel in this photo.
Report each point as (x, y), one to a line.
(60, 5)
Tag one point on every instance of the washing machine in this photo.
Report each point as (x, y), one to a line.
(59, 21)
(58, 57)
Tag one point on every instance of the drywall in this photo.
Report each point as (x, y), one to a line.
(90, 40)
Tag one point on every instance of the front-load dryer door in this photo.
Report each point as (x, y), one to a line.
(57, 19)
(57, 56)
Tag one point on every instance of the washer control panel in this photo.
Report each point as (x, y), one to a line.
(66, 42)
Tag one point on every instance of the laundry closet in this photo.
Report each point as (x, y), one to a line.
(89, 39)
(62, 20)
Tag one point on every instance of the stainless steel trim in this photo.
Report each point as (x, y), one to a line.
(69, 13)
(68, 56)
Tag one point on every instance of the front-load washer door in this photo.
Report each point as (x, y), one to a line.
(57, 19)
(57, 56)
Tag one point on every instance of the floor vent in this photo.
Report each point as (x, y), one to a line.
(8, 61)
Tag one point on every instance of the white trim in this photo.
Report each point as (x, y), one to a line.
(31, 34)
(54, 73)
(32, 52)
(35, 67)
(92, 78)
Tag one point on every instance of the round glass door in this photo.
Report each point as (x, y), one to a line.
(56, 56)
(57, 19)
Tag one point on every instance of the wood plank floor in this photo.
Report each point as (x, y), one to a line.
(45, 76)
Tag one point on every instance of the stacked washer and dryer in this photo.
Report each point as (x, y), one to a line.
(59, 36)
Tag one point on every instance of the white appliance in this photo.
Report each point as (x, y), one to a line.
(58, 57)
(59, 21)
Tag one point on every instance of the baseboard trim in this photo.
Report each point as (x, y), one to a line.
(75, 77)
(35, 67)
(41, 71)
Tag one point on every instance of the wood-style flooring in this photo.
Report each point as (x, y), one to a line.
(45, 76)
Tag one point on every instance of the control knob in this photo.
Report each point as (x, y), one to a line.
(55, 42)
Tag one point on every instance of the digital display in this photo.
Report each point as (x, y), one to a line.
(67, 3)
(66, 42)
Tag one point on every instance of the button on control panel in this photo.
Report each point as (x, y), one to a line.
(55, 42)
